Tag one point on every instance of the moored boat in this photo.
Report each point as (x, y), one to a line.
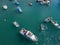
(28, 34)
(16, 2)
(43, 27)
(48, 19)
(55, 24)
(47, 2)
(15, 24)
(19, 9)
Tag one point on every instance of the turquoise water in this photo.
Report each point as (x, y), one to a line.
(31, 18)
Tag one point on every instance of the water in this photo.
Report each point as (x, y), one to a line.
(29, 19)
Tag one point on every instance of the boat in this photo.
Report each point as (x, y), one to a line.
(48, 19)
(15, 24)
(19, 9)
(43, 27)
(55, 24)
(47, 2)
(28, 34)
(5, 7)
(16, 2)
(30, 3)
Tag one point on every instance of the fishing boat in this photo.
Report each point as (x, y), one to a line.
(55, 24)
(15, 24)
(28, 34)
(19, 9)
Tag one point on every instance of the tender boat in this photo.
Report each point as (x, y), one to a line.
(55, 24)
(19, 9)
(15, 24)
(28, 34)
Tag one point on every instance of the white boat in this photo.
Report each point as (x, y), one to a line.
(48, 19)
(55, 24)
(28, 34)
(5, 7)
(15, 24)
(16, 2)
(19, 9)
(43, 27)
(44, 2)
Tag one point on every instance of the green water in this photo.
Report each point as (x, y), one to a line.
(30, 19)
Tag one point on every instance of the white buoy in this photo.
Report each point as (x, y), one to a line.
(5, 7)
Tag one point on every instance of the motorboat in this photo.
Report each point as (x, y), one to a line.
(15, 24)
(30, 3)
(5, 7)
(48, 19)
(16, 2)
(44, 2)
(28, 34)
(55, 24)
(19, 9)
(43, 27)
